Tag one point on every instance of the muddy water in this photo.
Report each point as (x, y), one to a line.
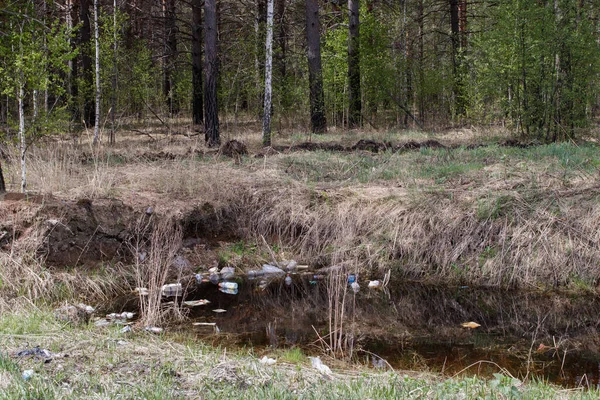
(418, 327)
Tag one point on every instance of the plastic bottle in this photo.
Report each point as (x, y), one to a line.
(228, 285)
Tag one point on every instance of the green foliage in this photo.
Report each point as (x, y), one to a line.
(537, 66)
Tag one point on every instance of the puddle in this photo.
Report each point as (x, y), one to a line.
(416, 327)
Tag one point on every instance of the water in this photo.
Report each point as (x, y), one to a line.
(412, 326)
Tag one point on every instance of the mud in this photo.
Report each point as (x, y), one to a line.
(85, 232)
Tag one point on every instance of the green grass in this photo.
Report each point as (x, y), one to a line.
(158, 367)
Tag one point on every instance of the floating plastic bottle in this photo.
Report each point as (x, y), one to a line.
(228, 285)
(172, 290)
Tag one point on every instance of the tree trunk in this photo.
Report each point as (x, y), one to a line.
(72, 88)
(86, 63)
(315, 72)
(268, 75)
(97, 45)
(170, 55)
(282, 33)
(197, 101)
(114, 75)
(22, 140)
(211, 71)
(2, 183)
(354, 100)
(457, 85)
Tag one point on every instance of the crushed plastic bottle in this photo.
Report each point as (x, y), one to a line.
(355, 287)
(227, 273)
(27, 374)
(172, 290)
(351, 278)
(288, 280)
(228, 291)
(198, 278)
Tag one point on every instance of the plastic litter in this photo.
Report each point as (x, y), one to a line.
(267, 361)
(125, 329)
(154, 329)
(227, 272)
(270, 269)
(351, 278)
(470, 325)
(288, 280)
(214, 278)
(355, 287)
(319, 366)
(228, 291)
(86, 308)
(172, 290)
(198, 278)
(213, 270)
(219, 310)
(374, 284)
(142, 291)
(27, 374)
(35, 352)
(228, 285)
(255, 274)
(195, 303)
(290, 265)
(102, 322)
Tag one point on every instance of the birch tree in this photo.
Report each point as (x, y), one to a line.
(268, 76)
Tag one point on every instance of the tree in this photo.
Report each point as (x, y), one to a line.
(170, 56)
(85, 39)
(98, 83)
(197, 103)
(354, 99)
(268, 75)
(33, 58)
(318, 121)
(211, 72)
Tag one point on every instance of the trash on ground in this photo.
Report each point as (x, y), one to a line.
(214, 270)
(214, 278)
(27, 374)
(288, 280)
(227, 272)
(194, 303)
(204, 323)
(374, 284)
(142, 291)
(35, 352)
(351, 278)
(122, 342)
(228, 291)
(125, 329)
(172, 290)
(102, 322)
(255, 274)
(272, 270)
(355, 287)
(228, 285)
(267, 361)
(199, 278)
(153, 329)
(86, 308)
(319, 366)
(219, 310)
(470, 325)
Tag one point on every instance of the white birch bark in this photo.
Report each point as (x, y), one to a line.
(97, 42)
(268, 76)
(22, 142)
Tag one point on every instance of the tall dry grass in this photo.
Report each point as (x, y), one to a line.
(154, 265)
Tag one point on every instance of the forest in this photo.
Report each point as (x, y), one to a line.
(299, 199)
(530, 67)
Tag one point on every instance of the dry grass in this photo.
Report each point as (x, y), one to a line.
(490, 216)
